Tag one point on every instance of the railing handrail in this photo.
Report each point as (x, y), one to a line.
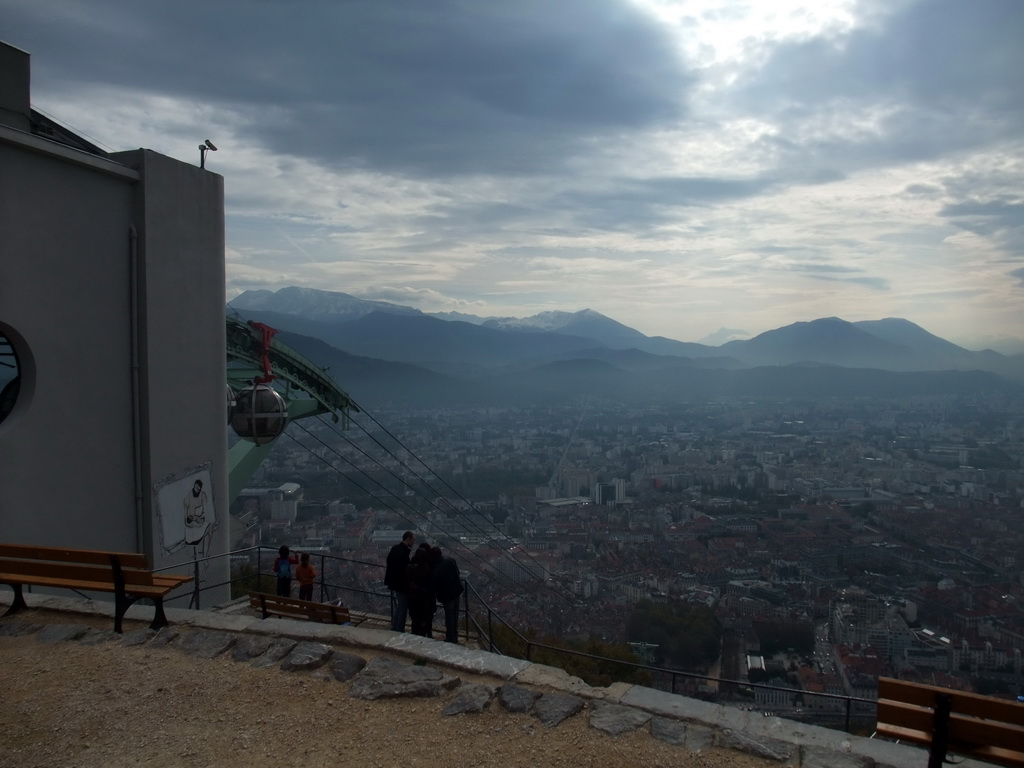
(486, 637)
(673, 673)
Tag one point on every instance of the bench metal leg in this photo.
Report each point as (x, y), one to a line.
(159, 617)
(123, 602)
(940, 730)
(18, 603)
(121, 605)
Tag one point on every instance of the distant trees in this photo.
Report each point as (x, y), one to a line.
(245, 579)
(777, 636)
(688, 636)
(487, 481)
(598, 668)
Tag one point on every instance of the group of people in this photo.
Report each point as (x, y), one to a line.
(289, 565)
(418, 581)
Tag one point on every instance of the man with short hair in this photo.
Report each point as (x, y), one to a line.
(397, 580)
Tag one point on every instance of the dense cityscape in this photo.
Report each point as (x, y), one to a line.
(833, 541)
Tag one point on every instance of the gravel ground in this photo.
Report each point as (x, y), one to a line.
(105, 705)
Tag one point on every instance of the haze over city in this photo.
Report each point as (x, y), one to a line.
(679, 166)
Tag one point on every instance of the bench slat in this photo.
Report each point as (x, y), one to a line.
(172, 581)
(142, 590)
(903, 733)
(291, 607)
(66, 554)
(964, 731)
(32, 569)
(973, 704)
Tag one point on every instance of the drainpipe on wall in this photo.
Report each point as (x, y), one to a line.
(133, 293)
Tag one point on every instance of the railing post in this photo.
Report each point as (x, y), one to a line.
(849, 706)
(195, 582)
(323, 588)
(490, 631)
(465, 607)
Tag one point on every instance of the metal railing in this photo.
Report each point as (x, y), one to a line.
(478, 624)
(259, 574)
(483, 626)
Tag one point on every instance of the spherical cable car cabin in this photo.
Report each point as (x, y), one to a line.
(260, 414)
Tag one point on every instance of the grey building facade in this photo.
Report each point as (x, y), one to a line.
(112, 314)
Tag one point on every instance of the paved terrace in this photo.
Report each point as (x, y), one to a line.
(463, 681)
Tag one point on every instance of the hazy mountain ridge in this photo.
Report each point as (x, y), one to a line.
(375, 383)
(314, 304)
(511, 348)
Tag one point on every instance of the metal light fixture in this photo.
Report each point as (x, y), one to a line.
(206, 146)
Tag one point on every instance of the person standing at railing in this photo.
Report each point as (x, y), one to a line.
(284, 566)
(396, 579)
(422, 604)
(306, 574)
(447, 588)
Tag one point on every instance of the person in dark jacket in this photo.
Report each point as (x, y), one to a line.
(447, 588)
(284, 567)
(422, 605)
(396, 579)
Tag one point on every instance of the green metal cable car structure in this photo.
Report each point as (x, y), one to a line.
(258, 412)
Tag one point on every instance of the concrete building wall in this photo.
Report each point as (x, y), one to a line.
(66, 459)
(112, 294)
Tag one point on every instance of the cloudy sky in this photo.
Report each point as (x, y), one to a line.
(678, 165)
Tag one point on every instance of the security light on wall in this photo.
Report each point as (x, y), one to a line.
(206, 146)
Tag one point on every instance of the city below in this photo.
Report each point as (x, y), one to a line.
(811, 546)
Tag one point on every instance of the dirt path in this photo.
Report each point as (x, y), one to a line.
(107, 705)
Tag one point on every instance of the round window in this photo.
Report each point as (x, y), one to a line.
(10, 376)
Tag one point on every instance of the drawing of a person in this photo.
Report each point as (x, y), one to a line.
(198, 530)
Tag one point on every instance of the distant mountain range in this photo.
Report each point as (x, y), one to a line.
(399, 354)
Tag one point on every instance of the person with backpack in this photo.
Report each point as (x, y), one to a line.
(447, 582)
(284, 567)
(422, 605)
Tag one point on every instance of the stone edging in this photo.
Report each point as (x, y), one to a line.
(615, 709)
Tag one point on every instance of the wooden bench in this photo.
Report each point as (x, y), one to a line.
(293, 608)
(126, 574)
(980, 727)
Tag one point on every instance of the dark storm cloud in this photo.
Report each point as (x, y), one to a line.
(832, 272)
(1000, 219)
(631, 204)
(813, 267)
(923, 190)
(947, 73)
(875, 283)
(990, 216)
(446, 87)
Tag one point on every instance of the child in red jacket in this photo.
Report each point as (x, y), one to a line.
(306, 574)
